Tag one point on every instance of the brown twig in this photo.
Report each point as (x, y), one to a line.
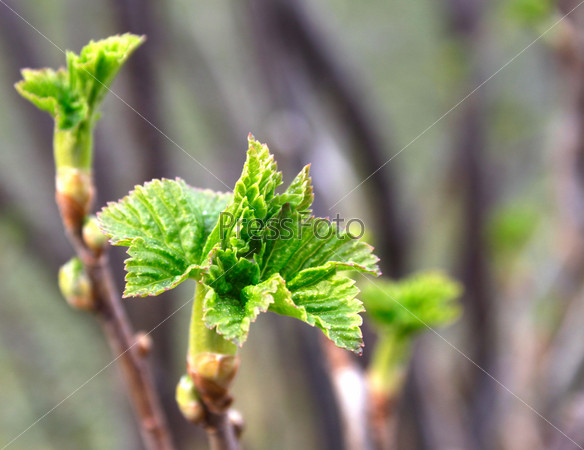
(122, 341)
(382, 420)
(564, 343)
(465, 23)
(221, 432)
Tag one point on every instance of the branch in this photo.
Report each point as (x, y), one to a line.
(564, 342)
(124, 346)
(221, 432)
(465, 23)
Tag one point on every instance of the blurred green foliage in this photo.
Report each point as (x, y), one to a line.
(530, 12)
(510, 228)
(408, 306)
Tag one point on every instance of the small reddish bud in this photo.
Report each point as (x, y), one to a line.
(144, 343)
(74, 194)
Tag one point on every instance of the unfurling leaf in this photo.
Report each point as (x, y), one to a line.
(93, 70)
(72, 95)
(254, 251)
(50, 91)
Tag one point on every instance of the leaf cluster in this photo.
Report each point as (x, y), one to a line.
(175, 232)
(406, 307)
(72, 94)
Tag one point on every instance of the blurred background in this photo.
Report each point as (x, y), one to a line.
(489, 189)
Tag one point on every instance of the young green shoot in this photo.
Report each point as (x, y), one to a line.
(251, 251)
(400, 311)
(72, 96)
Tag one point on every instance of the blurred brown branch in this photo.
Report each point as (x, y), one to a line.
(465, 25)
(122, 341)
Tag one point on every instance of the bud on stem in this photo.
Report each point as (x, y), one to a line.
(144, 343)
(93, 236)
(188, 400)
(76, 286)
(74, 194)
(74, 181)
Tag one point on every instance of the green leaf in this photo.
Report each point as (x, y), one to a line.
(255, 199)
(302, 254)
(298, 196)
(328, 304)
(231, 306)
(49, 90)
(93, 70)
(235, 297)
(165, 224)
(267, 254)
(72, 96)
(252, 195)
(408, 306)
(314, 247)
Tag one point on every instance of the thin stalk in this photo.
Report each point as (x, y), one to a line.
(121, 339)
(212, 364)
(74, 147)
(74, 192)
(221, 432)
(385, 378)
(201, 338)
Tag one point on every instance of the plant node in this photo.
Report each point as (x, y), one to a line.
(93, 236)
(74, 194)
(76, 286)
(144, 343)
(212, 374)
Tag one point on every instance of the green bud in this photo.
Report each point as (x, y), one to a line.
(215, 367)
(76, 286)
(74, 193)
(212, 374)
(93, 236)
(188, 400)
